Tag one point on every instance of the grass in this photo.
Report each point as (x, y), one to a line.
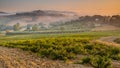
(88, 35)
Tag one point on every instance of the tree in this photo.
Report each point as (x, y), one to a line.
(28, 27)
(62, 28)
(41, 25)
(16, 27)
(35, 27)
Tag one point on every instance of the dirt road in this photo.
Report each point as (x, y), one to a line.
(109, 40)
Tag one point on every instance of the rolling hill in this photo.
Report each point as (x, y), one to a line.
(94, 23)
(59, 20)
(37, 16)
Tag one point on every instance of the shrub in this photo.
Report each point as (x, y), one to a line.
(58, 54)
(34, 49)
(116, 57)
(101, 62)
(43, 53)
(97, 61)
(115, 50)
(86, 60)
(117, 40)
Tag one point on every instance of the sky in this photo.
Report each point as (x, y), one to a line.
(82, 7)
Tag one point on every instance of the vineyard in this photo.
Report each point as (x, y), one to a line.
(68, 47)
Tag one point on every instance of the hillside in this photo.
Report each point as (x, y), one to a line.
(4, 14)
(59, 20)
(94, 23)
(36, 17)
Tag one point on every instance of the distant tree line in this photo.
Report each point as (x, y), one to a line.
(89, 22)
(83, 22)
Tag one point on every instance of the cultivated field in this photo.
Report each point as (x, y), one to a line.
(62, 50)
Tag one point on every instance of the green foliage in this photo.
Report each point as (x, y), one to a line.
(35, 28)
(115, 50)
(86, 60)
(65, 48)
(97, 61)
(116, 57)
(117, 40)
(16, 27)
(102, 62)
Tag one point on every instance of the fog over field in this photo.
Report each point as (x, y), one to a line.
(55, 20)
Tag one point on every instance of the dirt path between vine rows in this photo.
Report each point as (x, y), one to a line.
(16, 58)
(109, 40)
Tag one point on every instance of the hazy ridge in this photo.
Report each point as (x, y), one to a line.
(55, 20)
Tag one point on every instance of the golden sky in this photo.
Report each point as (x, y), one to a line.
(82, 7)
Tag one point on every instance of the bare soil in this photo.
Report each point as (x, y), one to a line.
(109, 40)
(106, 28)
(16, 58)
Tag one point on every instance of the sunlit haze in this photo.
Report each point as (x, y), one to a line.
(82, 7)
